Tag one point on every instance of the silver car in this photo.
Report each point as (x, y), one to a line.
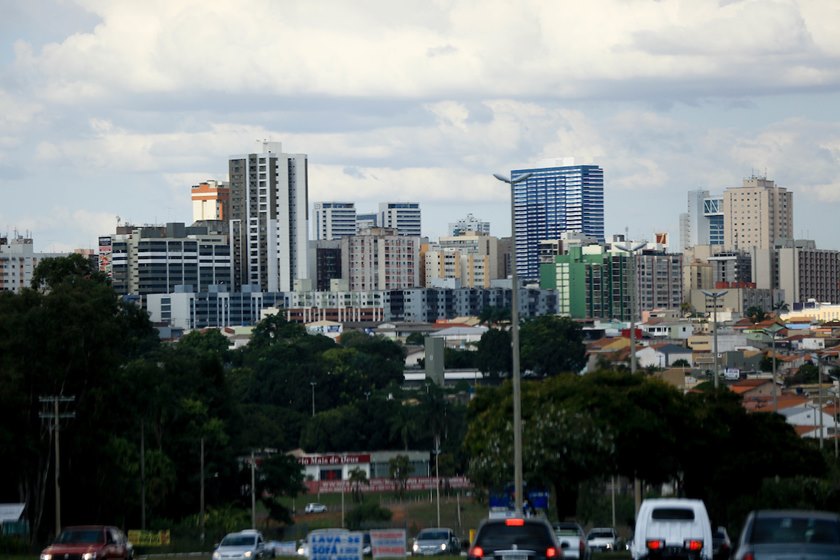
(435, 541)
(775, 534)
(244, 545)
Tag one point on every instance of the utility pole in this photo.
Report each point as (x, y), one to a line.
(143, 476)
(201, 478)
(55, 416)
(253, 494)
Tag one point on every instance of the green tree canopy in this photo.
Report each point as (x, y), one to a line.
(551, 345)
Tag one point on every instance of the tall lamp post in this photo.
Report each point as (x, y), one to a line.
(630, 249)
(514, 341)
(313, 383)
(771, 332)
(715, 296)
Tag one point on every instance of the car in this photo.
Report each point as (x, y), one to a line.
(436, 541)
(89, 541)
(721, 544)
(674, 528)
(242, 545)
(315, 508)
(800, 534)
(572, 540)
(602, 539)
(514, 538)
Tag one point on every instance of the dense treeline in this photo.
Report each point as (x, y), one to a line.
(70, 336)
(588, 428)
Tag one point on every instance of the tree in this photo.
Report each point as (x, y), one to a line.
(415, 339)
(280, 476)
(494, 315)
(552, 345)
(494, 355)
(756, 314)
(73, 268)
(357, 478)
(681, 363)
(399, 469)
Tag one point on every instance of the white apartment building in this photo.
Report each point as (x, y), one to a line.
(401, 216)
(269, 218)
(380, 259)
(18, 260)
(470, 224)
(333, 220)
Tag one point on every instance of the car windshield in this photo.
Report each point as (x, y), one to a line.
(432, 536)
(795, 530)
(82, 536)
(239, 540)
(568, 530)
(600, 535)
(500, 537)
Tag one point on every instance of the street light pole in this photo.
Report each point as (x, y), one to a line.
(715, 296)
(631, 249)
(771, 332)
(313, 383)
(514, 341)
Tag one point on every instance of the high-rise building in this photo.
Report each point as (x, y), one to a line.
(269, 218)
(471, 260)
(380, 259)
(210, 201)
(143, 260)
(703, 223)
(324, 263)
(553, 200)
(757, 214)
(401, 216)
(469, 224)
(334, 220)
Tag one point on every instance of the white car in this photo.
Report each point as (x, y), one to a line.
(602, 539)
(673, 528)
(315, 508)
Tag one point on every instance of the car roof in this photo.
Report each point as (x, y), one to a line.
(817, 514)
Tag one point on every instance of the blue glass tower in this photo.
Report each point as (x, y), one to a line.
(553, 200)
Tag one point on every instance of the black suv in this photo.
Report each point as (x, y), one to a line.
(515, 538)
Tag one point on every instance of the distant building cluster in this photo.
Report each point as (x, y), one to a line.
(257, 242)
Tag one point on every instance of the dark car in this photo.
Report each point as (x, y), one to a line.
(515, 538)
(721, 544)
(800, 534)
(89, 541)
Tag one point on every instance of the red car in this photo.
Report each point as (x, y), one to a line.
(89, 542)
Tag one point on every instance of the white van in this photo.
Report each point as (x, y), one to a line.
(672, 528)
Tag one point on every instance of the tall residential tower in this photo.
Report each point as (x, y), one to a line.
(269, 219)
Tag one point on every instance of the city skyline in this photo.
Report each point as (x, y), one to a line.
(115, 109)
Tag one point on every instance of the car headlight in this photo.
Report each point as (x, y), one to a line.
(46, 557)
(248, 554)
(415, 547)
(443, 546)
(216, 555)
(89, 556)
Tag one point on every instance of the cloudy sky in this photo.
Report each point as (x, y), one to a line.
(115, 108)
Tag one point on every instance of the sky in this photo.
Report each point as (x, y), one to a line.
(113, 109)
